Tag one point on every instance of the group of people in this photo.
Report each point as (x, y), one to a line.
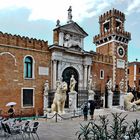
(89, 107)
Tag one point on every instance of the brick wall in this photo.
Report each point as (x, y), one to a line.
(11, 72)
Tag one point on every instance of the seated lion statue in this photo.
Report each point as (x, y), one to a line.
(59, 98)
(127, 101)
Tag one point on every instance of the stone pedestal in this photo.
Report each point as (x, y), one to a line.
(122, 100)
(45, 104)
(72, 100)
(91, 94)
(110, 99)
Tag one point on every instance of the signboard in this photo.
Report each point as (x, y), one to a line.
(120, 63)
(43, 71)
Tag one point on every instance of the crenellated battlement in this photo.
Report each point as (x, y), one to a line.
(116, 31)
(25, 42)
(112, 28)
(110, 13)
(102, 58)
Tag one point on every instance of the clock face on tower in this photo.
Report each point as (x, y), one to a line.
(120, 51)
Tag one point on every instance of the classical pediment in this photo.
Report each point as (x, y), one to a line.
(73, 28)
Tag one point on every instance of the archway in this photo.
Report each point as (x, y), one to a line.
(66, 75)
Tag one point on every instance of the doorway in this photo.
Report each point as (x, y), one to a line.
(66, 75)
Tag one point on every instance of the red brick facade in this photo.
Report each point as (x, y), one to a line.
(13, 50)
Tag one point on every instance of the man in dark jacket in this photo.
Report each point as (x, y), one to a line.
(92, 108)
(85, 112)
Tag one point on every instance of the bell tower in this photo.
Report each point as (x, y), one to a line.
(113, 41)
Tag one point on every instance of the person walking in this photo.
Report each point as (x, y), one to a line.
(85, 112)
(11, 111)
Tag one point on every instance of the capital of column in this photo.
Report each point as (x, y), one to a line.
(85, 66)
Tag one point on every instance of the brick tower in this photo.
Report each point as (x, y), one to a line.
(113, 41)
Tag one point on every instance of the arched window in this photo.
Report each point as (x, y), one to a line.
(28, 67)
(101, 74)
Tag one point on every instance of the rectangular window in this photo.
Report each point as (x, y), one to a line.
(27, 97)
(101, 74)
(128, 72)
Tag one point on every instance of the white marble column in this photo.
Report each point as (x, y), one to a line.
(59, 70)
(85, 76)
(45, 104)
(89, 71)
(54, 73)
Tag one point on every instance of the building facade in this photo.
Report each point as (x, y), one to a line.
(134, 75)
(26, 63)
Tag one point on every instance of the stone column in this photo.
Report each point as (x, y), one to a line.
(89, 71)
(45, 104)
(54, 73)
(59, 70)
(85, 76)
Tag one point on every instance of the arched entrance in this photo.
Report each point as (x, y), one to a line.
(66, 75)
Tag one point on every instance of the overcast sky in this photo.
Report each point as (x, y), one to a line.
(37, 18)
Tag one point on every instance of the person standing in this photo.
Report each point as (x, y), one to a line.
(85, 112)
(92, 108)
(11, 111)
(134, 91)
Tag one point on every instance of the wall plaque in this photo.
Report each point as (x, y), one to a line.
(120, 63)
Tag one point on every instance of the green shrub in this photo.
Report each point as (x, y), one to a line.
(117, 130)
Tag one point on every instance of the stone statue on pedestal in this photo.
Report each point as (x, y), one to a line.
(121, 85)
(109, 86)
(46, 89)
(69, 15)
(90, 89)
(72, 94)
(110, 93)
(72, 83)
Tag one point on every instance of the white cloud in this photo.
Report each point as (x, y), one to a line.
(57, 9)
(134, 6)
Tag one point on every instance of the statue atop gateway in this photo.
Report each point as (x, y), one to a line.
(69, 35)
(70, 15)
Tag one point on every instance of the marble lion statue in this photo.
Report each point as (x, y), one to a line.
(69, 41)
(59, 98)
(127, 101)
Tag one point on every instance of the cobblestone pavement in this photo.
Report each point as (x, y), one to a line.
(66, 129)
